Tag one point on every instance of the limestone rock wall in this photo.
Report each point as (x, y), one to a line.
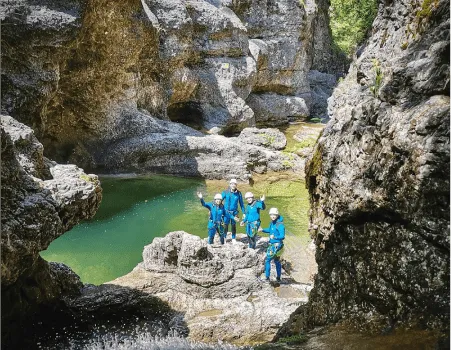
(40, 201)
(77, 71)
(379, 179)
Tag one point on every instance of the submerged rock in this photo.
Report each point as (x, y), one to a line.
(215, 287)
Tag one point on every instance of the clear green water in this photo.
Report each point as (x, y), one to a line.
(136, 210)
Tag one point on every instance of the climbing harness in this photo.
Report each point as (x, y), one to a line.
(274, 250)
(221, 229)
(253, 228)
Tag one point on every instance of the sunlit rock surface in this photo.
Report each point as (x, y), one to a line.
(216, 287)
(379, 181)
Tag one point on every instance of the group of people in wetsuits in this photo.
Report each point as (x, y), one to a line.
(224, 212)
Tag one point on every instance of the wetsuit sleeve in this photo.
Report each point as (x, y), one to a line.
(261, 204)
(280, 232)
(224, 198)
(240, 199)
(206, 205)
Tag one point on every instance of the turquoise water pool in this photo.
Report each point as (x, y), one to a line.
(136, 210)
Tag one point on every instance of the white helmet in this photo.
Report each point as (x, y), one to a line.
(233, 181)
(218, 196)
(248, 195)
(273, 211)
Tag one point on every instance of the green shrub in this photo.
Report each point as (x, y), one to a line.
(350, 20)
(294, 339)
(269, 139)
(315, 120)
(377, 82)
(86, 178)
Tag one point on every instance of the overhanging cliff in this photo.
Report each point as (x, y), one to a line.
(87, 74)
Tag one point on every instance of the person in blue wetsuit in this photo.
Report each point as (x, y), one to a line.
(216, 219)
(232, 197)
(276, 232)
(252, 217)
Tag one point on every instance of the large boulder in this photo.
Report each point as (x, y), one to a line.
(321, 85)
(269, 138)
(379, 180)
(215, 287)
(273, 109)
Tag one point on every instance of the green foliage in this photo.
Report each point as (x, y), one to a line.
(86, 178)
(426, 9)
(315, 120)
(350, 20)
(377, 82)
(269, 139)
(423, 11)
(308, 142)
(294, 339)
(288, 162)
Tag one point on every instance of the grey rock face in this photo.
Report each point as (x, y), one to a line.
(326, 59)
(277, 47)
(273, 109)
(40, 201)
(215, 287)
(217, 65)
(379, 180)
(30, 204)
(321, 85)
(269, 138)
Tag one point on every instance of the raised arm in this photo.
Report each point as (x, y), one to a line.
(206, 205)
